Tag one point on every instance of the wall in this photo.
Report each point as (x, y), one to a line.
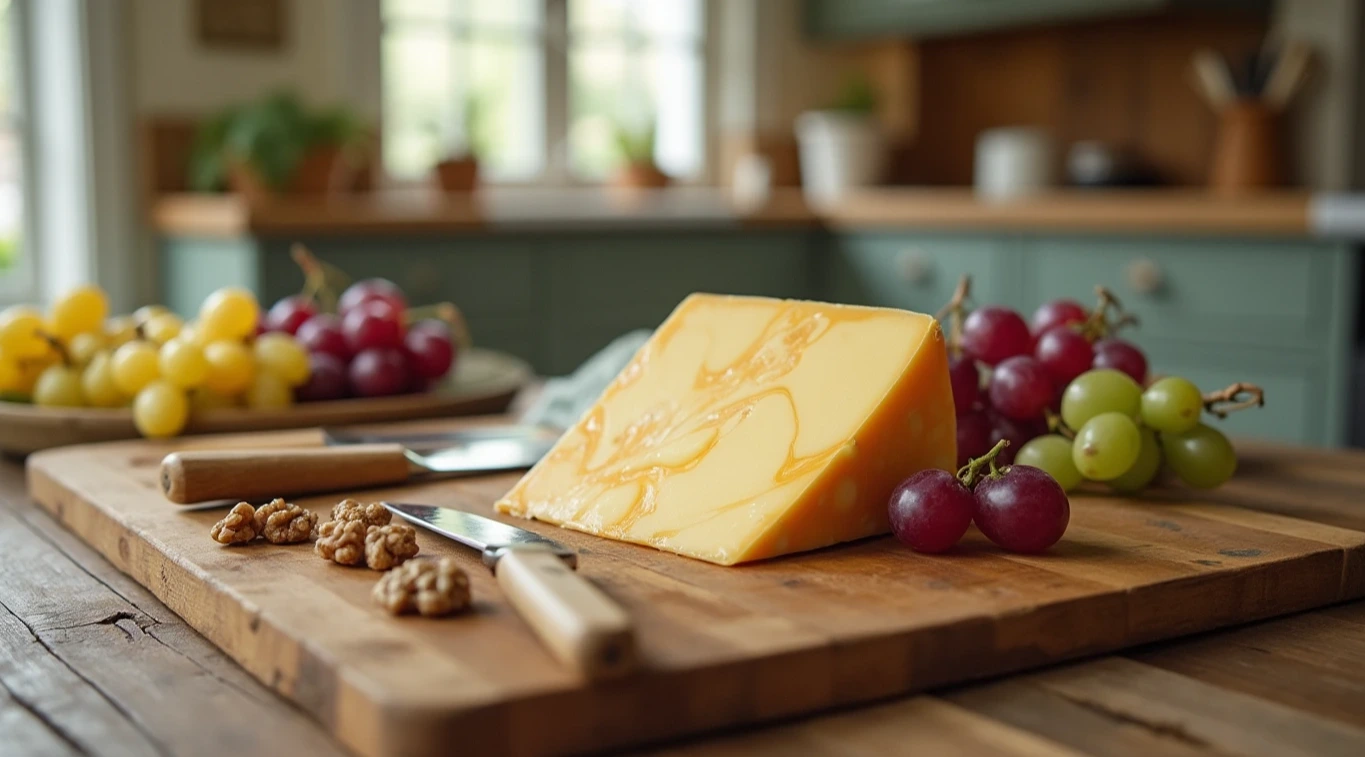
(331, 53)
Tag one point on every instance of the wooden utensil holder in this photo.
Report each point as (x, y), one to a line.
(1246, 153)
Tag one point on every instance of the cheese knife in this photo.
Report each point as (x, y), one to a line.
(579, 624)
(192, 476)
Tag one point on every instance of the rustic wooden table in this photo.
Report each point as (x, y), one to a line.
(91, 663)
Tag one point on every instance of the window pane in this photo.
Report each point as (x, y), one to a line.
(508, 118)
(612, 85)
(419, 10)
(420, 116)
(655, 19)
(504, 14)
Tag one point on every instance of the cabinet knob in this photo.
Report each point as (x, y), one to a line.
(1145, 277)
(915, 266)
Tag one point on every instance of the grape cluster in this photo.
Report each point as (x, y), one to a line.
(229, 355)
(1073, 400)
(366, 349)
(1020, 508)
(1124, 433)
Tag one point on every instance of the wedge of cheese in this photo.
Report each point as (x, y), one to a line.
(748, 427)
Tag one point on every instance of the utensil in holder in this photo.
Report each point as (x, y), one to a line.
(1246, 152)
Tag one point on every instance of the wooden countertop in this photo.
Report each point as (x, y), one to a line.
(87, 658)
(1156, 211)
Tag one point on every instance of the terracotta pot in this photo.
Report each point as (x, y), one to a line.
(246, 181)
(640, 176)
(323, 169)
(458, 175)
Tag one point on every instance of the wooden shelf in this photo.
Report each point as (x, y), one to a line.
(1152, 211)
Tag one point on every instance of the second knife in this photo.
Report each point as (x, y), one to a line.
(255, 473)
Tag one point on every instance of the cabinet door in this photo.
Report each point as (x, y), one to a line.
(916, 272)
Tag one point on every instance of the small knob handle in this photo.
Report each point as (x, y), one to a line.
(915, 266)
(1145, 277)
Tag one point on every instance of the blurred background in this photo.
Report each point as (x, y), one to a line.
(567, 170)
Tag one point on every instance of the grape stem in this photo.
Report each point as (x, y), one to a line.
(969, 473)
(1056, 426)
(956, 311)
(1238, 396)
(58, 347)
(321, 281)
(445, 311)
(1099, 324)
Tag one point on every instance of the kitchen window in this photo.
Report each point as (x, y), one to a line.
(16, 265)
(541, 90)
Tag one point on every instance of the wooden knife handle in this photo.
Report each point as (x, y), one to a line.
(581, 625)
(252, 474)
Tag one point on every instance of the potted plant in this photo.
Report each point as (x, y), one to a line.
(841, 146)
(636, 148)
(276, 144)
(458, 171)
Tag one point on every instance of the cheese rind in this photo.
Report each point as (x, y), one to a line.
(748, 427)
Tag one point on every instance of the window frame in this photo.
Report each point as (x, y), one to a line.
(554, 43)
(20, 283)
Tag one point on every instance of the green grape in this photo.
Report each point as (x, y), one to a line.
(1051, 453)
(162, 327)
(135, 366)
(1202, 457)
(281, 355)
(1106, 446)
(145, 313)
(1172, 405)
(231, 367)
(268, 391)
(21, 333)
(205, 398)
(97, 381)
(183, 363)
(59, 386)
(160, 409)
(1144, 469)
(229, 313)
(83, 309)
(82, 347)
(120, 330)
(1100, 391)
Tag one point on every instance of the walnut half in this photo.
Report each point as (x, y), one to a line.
(342, 541)
(387, 546)
(373, 514)
(429, 587)
(237, 527)
(282, 522)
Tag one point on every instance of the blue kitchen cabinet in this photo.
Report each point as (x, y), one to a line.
(917, 271)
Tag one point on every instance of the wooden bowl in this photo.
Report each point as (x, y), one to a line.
(484, 382)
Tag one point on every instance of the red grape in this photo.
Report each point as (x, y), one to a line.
(373, 325)
(994, 333)
(327, 381)
(371, 290)
(289, 314)
(973, 436)
(1050, 315)
(1024, 510)
(379, 372)
(1065, 354)
(430, 353)
(1122, 356)
(1016, 431)
(1021, 388)
(966, 382)
(931, 510)
(322, 333)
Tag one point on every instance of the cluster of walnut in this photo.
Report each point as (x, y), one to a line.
(428, 587)
(361, 534)
(279, 522)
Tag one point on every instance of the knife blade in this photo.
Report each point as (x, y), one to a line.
(192, 476)
(581, 625)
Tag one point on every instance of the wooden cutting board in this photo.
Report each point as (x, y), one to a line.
(722, 646)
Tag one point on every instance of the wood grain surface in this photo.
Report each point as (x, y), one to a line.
(723, 646)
